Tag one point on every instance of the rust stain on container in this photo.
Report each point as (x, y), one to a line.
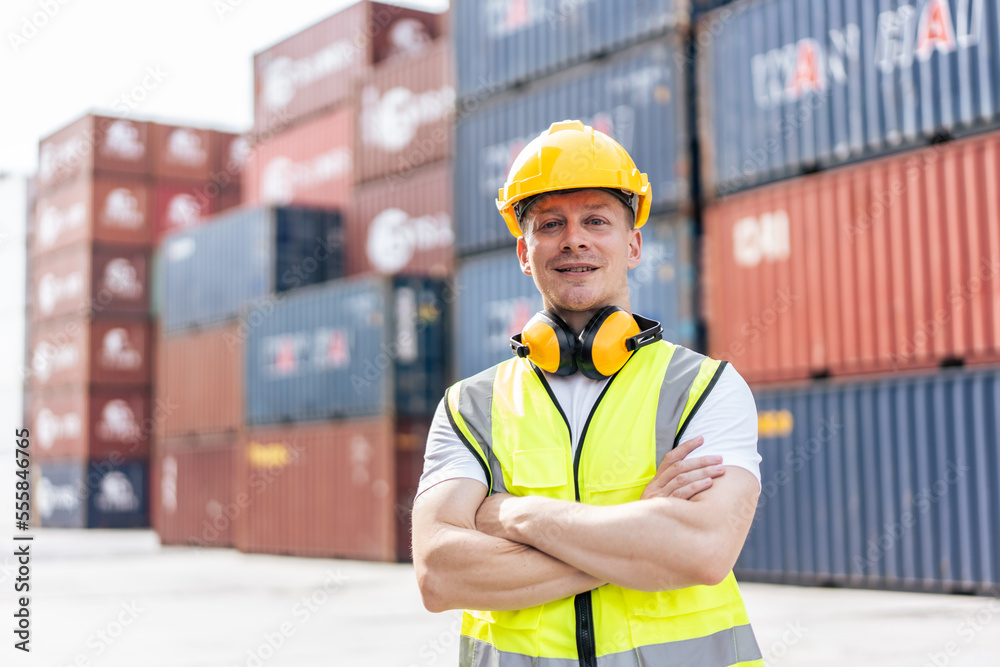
(888, 265)
(106, 350)
(199, 375)
(93, 143)
(403, 224)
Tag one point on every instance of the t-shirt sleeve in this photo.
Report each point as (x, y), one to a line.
(446, 456)
(728, 422)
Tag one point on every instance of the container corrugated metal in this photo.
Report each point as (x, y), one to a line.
(178, 205)
(105, 350)
(495, 299)
(81, 421)
(499, 44)
(93, 143)
(184, 153)
(638, 97)
(786, 87)
(309, 165)
(328, 489)
(59, 490)
(107, 208)
(318, 68)
(860, 269)
(405, 114)
(199, 380)
(350, 348)
(231, 155)
(194, 491)
(118, 494)
(91, 279)
(403, 224)
(209, 273)
(886, 483)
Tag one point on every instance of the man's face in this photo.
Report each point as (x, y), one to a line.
(578, 248)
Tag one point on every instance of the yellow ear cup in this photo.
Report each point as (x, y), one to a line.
(603, 349)
(551, 344)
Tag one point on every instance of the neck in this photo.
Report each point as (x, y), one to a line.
(578, 319)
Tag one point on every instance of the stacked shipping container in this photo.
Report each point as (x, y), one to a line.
(887, 264)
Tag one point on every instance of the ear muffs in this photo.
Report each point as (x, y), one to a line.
(602, 349)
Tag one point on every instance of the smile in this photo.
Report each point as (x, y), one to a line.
(581, 269)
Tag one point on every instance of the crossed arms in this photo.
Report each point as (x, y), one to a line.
(505, 552)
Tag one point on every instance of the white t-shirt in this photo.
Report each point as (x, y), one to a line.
(727, 420)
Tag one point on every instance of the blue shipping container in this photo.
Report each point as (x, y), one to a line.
(119, 494)
(349, 348)
(499, 43)
(637, 97)
(495, 298)
(888, 483)
(209, 273)
(787, 86)
(60, 494)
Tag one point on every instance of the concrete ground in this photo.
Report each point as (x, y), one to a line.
(117, 598)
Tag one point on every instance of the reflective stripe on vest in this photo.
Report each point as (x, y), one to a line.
(508, 417)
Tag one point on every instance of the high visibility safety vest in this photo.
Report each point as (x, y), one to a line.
(509, 418)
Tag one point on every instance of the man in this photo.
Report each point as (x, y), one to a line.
(556, 507)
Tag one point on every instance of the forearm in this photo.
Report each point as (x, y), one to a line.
(466, 569)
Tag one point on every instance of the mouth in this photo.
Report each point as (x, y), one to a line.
(576, 269)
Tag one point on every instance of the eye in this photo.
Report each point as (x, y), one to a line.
(597, 221)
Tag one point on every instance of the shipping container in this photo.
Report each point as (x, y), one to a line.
(59, 491)
(403, 224)
(194, 496)
(788, 87)
(106, 208)
(311, 164)
(199, 380)
(350, 348)
(104, 351)
(495, 299)
(179, 205)
(405, 114)
(93, 143)
(860, 269)
(637, 97)
(84, 421)
(499, 44)
(888, 482)
(209, 273)
(317, 68)
(182, 153)
(331, 489)
(90, 280)
(230, 158)
(82, 493)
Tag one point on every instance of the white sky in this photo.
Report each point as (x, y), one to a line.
(92, 52)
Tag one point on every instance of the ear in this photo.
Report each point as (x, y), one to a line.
(522, 255)
(635, 248)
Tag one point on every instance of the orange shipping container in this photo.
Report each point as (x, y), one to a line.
(403, 224)
(194, 497)
(184, 153)
(91, 279)
(330, 489)
(81, 421)
(405, 114)
(107, 350)
(888, 265)
(199, 374)
(109, 208)
(93, 143)
(309, 165)
(180, 205)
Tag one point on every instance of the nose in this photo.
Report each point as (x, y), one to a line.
(574, 236)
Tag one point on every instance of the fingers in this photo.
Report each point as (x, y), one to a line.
(687, 484)
(679, 452)
(664, 476)
(691, 490)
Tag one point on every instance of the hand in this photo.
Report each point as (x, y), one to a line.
(488, 516)
(682, 478)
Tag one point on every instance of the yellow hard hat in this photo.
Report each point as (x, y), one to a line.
(570, 156)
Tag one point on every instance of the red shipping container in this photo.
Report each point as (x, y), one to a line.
(93, 143)
(317, 68)
(90, 279)
(309, 165)
(231, 151)
(81, 421)
(107, 350)
(329, 489)
(888, 265)
(403, 224)
(406, 114)
(194, 497)
(184, 153)
(105, 208)
(183, 205)
(199, 375)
